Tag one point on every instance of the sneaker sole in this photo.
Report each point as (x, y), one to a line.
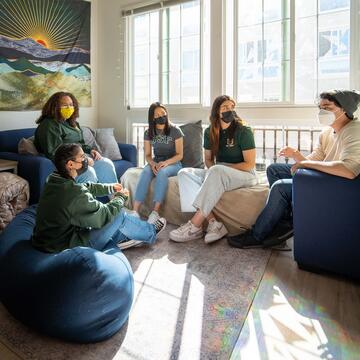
(211, 240)
(163, 228)
(239, 246)
(130, 244)
(180, 240)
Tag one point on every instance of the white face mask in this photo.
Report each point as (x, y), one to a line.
(326, 117)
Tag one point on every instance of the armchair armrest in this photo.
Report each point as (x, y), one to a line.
(34, 169)
(326, 212)
(129, 153)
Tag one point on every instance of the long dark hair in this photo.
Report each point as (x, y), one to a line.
(51, 109)
(152, 126)
(63, 154)
(215, 124)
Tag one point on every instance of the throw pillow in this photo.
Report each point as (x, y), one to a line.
(89, 137)
(27, 146)
(108, 146)
(193, 145)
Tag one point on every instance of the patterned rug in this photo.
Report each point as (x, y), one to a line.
(190, 302)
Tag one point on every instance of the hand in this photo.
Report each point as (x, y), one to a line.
(90, 161)
(296, 166)
(125, 192)
(95, 154)
(161, 164)
(288, 152)
(118, 187)
(153, 166)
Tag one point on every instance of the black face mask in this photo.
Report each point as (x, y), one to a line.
(162, 120)
(85, 165)
(228, 116)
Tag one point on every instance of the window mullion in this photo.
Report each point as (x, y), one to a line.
(354, 44)
(236, 51)
(262, 52)
(292, 59)
(160, 76)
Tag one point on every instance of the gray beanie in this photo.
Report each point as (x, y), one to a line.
(348, 99)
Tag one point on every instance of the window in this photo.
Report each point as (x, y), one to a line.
(145, 59)
(271, 64)
(263, 50)
(165, 56)
(322, 51)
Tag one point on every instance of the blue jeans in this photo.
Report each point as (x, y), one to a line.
(278, 203)
(161, 182)
(103, 172)
(122, 228)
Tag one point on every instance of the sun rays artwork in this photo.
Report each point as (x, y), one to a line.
(44, 48)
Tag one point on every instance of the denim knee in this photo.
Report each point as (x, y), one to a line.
(282, 190)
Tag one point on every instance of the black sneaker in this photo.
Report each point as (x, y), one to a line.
(160, 225)
(281, 233)
(244, 241)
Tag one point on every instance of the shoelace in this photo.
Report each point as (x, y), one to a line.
(158, 225)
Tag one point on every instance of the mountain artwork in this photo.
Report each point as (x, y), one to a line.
(44, 48)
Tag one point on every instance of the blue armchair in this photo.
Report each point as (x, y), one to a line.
(326, 222)
(35, 169)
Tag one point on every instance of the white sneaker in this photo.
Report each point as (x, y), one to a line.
(129, 243)
(153, 217)
(186, 232)
(216, 230)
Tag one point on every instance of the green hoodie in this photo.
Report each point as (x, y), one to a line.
(50, 134)
(67, 211)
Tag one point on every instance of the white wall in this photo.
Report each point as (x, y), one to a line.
(88, 116)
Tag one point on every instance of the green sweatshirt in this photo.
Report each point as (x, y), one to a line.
(67, 211)
(50, 134)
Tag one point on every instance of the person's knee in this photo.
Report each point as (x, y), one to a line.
(272, 169)
(281, 189)
(184, 173)
(91, 174)
(216, 170)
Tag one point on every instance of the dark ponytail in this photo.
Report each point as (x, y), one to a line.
(63, 154)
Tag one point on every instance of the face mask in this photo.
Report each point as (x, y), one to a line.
(228, 116)
(162, 120)
(326, 117)
(66, 112)
(85, 165)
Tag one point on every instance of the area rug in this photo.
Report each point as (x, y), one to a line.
(190, 302)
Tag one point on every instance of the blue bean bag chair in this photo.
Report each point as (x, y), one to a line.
(80, 294)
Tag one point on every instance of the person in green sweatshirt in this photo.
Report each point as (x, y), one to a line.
(69, 215)
(58, 125)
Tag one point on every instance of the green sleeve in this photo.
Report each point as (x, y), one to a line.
(48, 137)
(246, 138)
(207, 144)
(97, 189)
(88, 212)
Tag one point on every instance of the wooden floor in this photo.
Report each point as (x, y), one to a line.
(300, 315)
(295, 315)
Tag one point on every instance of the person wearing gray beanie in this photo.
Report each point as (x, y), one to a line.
(348, 100)
(337, 153)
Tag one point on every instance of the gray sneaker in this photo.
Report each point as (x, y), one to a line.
(129, 243)
(185, 232)
(216, 230)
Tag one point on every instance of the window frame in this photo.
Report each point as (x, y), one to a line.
(354, 68)
(130, 56)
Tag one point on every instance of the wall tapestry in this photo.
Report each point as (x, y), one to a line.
(44, 48)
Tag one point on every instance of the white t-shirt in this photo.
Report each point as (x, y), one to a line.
(343, 146)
